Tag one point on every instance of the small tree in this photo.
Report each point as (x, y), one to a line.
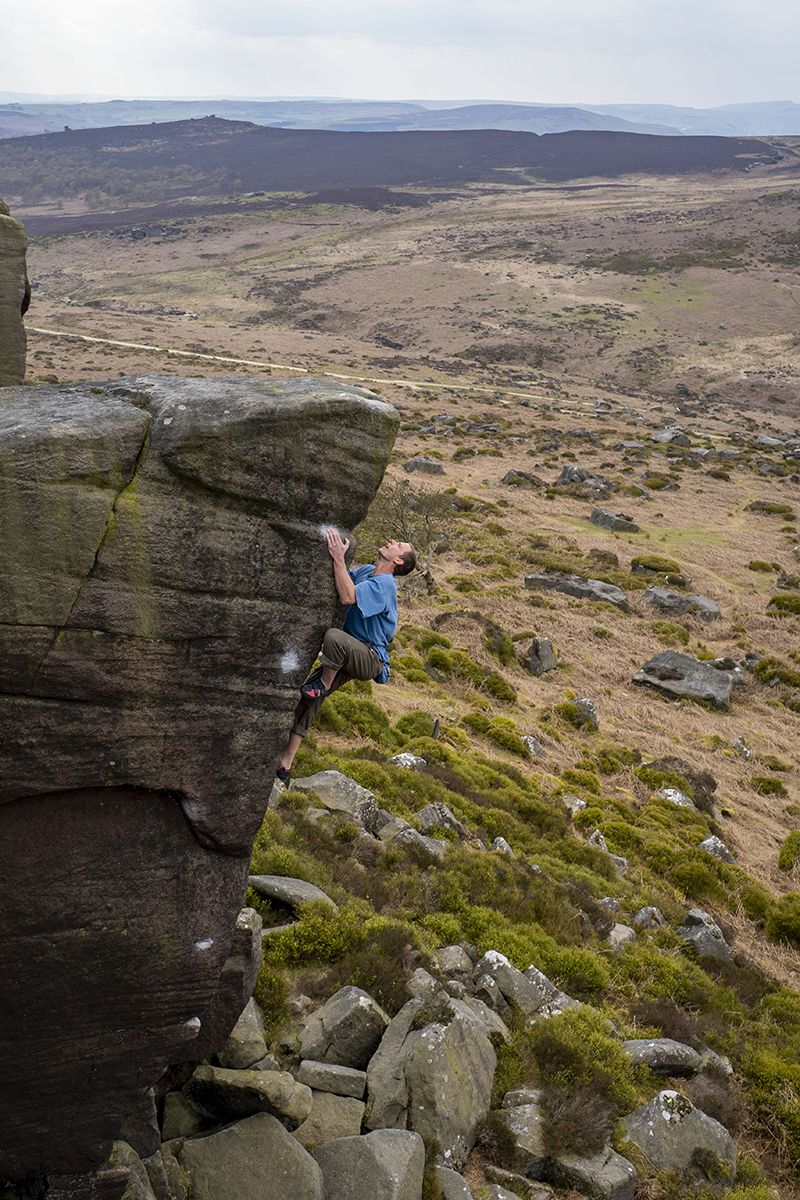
(409, 514)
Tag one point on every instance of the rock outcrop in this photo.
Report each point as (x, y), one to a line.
(14, 292)
(155, 535)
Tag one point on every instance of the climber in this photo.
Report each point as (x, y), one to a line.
(360, 650)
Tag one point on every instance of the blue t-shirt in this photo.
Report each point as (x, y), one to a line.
(373, 617)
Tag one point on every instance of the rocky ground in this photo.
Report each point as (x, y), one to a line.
(531, 917)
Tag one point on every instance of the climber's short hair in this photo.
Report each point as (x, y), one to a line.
(408, 563)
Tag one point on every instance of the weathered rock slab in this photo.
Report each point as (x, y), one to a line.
(680, 676)
(346, 1030)
(388, 1164)
(580, 587)
(603, 1176)
(339, 793)
(663, 1056)
(673, 1134)
(233, 1163)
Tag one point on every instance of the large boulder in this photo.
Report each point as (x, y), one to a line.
(246, 1043)
(229, 1094)
(154, 536)
(234, 1162)
(13, 293)
(432, 1073)
(679, 675)
(578, 586)
(603, 1176)
(664, 1056)
(677, 603)
(675, 1136)
(388, 1164)
(346, 1030)
(331, 1117)
(702, 932)
(340, 793)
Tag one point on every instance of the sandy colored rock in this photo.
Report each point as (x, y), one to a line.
(13, 284)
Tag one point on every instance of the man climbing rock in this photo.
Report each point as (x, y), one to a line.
(360, 650)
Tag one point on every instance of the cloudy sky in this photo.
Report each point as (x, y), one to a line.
(697, 52)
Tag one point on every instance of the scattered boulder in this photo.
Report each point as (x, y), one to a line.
(605, 1175)
(607, 520)
(663, 1056)
(330, 1077)
(540, 656)
(515, 1139)
(502, 847)
(451, 1185)
(681, 676)
(648, 917)
(236, 1160)
(554, 1000)
(533, 746)
(523, 479)
(701, 931)
(435, 1077)
(584, 480)
(439, 815)
(675, 1136)
(291, 892)
(516, 988)
(574, 804)
(331, 1117)
(408, 761)
(587, 711)
(620, 937)
(677, 603)
(388, 1164)
(673, 435)
(346, 1030)
(454, 960)
(579, 587)
(138, 1186)
(339, 793)
(675, 796)
(246, 1043)
(715, 846)
(229, 1094)
(432, 850)
(424, 466)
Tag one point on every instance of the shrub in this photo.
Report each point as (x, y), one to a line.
(758, 564)
(772, 507)
(789, 852)
(656, 780)
(500, 730)
(458, 664)
(670, 634)
(414, 725)
(767, 669)
(657, 563)
(587, 780)
(272, 996)
(573, 714)
(768, 785)
(783, 922)
(611, 758)
(320, 935)
(576, 1120)
(785, 604)
(576, 1050)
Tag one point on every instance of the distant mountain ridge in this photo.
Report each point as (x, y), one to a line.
(31, 116)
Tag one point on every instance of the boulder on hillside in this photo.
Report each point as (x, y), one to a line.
(331, 1117)
(439, 815)
(228, 1094)
(14, 291)
(246, 1043)
(716, 847)
(346, 1030)
(340, 793)
(677, 603)
(388, 1164)
(235, 1162)
(540, 656)
(663, 1056)
(673, 435)
(579, 587)
(289, 892)
(583, 480)
(514, 1138)
(527, 994)
(151, 656)
(603, 1176)
(675, 1136)
(620, 522)
(522, 479)
(330, 1077)
(701, 931)
(452, 1185)
(434, 1077)
(424, 466)
(680, 676)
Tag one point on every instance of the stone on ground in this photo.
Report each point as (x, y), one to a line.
(229, 1094)
(438, 814)
(331, 1117)
(716, 847)
(454, 960)
(540, 656)
(604, 1176)
(452, 1185)
(677, 603)
(620, 937)
(138, 1186)
(388, 1164)
(702, 931)
(680, 676)
(435, 1078)
(663, 1056)
(235, 1162)
(246, 1043)
(580, 587)
(291, 892)
(618, 521)
(339, 793)
(346, 1030)
(329, 1077)
(518, 1140)
(425, 466)
(527, 994)
(675, 1136)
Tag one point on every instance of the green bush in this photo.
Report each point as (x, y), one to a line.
(789, 852)
(500, 730)
(758, 564)
(767, 669)
(574, 715)
(768, 785)
(413, 725)
(772, 507)
(271, 993)
(656, 562)
(320, 935)
(784, 603)
(783, 922)
(458, 664)
(587, 780)
(657, 780)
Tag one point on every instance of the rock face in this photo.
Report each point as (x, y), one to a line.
(154, 535)
(13, 290)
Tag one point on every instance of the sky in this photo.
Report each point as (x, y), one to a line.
(690, 52)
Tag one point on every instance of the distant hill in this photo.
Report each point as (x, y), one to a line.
(33, 115)
(213, 157)
(530, 118)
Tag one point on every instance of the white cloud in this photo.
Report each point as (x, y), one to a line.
(681, 51)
